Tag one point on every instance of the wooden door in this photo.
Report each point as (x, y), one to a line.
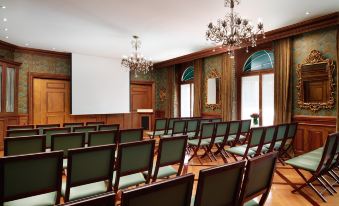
(141, 98)
(51, 101)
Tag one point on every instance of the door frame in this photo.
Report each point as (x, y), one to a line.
(31, 77)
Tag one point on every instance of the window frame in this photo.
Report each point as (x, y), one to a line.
(181, 70)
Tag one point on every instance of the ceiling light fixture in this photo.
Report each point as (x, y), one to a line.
(307, 13)
(3, 7)
(233, 31)
(5, 19)
(136, 62)
(7, 37)
(6, 29)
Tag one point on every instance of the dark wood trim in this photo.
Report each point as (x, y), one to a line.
(291, 30)
(210, 115)
(31, 76)
(328, 121)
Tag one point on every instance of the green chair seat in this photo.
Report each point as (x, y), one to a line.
(130, 180)
(218, 140)
(232, 137)
(84, 190)
(240, 150)
(195, 142)
(64, 163)
(165, 171)
(157, 133)
(190, 135)
(276, 145)
(168, 135)
(304, 162)
(47, 199)
(251, 203)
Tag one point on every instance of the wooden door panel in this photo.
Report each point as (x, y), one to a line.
(141, 98)
(55, 102)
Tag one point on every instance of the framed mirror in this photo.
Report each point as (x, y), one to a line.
(212, 83)
(315, 83)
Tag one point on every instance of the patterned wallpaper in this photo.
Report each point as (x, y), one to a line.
(6, 54)
(325, 42)
(161, 84)
(213, 62)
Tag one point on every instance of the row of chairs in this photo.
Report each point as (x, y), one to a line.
(319, 163)
(90, 170)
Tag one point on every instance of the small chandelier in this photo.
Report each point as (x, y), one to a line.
(233, 31)
(136, 62)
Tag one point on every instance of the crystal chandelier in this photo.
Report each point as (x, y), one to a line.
(136, 62)
(233, 31)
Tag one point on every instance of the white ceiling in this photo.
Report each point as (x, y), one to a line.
(168, 28)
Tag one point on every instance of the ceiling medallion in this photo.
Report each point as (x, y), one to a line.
(233, 31)
(136, 62)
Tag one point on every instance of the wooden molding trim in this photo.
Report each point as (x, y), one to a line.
(31, 76)
(210, 115)
(315, 120)
(288, 31)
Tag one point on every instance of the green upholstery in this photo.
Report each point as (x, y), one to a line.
(159, 127)
(234, 127)
(85, 129)
(256, 136)
(219, 185)
(132, 135)
(221, 129)
(41, 127)
(86, 190)
(64, 163)
(245, 126)
(174, 192)
(179, 127)
(30, 175)
(106, 199)
(192, 125)
(71, 125)
(282, 129)
(172, 150)
(215, 120)
(191, 135)
(251, 203)
(155, 133)
(269, 134)
(130, 180)
(195, 142)
(102, 138)
(96, 124)
(38, 200)
(24, 145)
(240, 150)
(163, 172)
(171, 123)
(65, 142)
(109, 127)
(22, 132)
(50, 131)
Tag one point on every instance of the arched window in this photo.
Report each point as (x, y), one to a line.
(188, 74)
(259, 60)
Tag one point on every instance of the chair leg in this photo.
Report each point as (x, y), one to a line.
(334, 176)
(328, 184)
(320, 179)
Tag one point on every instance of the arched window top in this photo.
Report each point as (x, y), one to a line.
(188, 74)
(259, 60)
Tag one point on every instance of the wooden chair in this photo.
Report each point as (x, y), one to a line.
(130, 135)
(32, 179)
(220, 185)
(316, 164)
(95, 124)
(171, 151)
(258, 179)
(280, 135)
(159, 128)
(179, 128)
(19, 127)
(86, 130)
(73, 124)
(220, 139)
(215, 120)
(24, 145)
(269, 139)
(133, 159)
(64, 142)
(22, 132)
(50, 131)
(253, 148)
(170, 124)
(234, 133)
(245, 129)
(192, 128)
(107, 199)
(45, 126)
(102, 137)
(287, 144)
(173, 192)
(88, 171)
(105, 127)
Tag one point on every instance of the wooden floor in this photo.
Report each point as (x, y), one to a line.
(280, 194)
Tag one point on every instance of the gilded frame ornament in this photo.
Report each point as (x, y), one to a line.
(315, 57)
(162, 94)
(212, 73)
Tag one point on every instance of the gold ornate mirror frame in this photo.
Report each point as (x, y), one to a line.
(212, 73)
(314, 60)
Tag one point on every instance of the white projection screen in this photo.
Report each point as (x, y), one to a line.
(99, 86)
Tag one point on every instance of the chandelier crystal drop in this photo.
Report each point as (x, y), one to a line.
(136, 62)
(233, 31)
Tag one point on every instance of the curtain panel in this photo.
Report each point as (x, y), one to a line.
(226, 87)
(197, 87)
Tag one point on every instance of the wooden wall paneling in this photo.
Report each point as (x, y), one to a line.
(210, 115)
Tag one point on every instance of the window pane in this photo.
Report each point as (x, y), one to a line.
(10, 83)
(192, 99)
(249, 96)
(267, 99)
(185, 100)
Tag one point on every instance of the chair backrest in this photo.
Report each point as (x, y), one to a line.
(85, 129)
(258, 177)
(292, 130)
(202, 121)
(94, 123)
(235, 127)
(216, 120)
(179, 127)
(24, 145)
(130, 135)
(73, 124)
(256, 136)
(207, 130)
(328, 152)
(45, 126)
(18, 127)
(173, 192)
(270, 134)
(134, 157)
(222, 129)
(102, 137)
(160, 124)
(192, 125)
(22, 132)
(245, 125)
(105, 127)
(29, 175)
(170, 123)
(50, 131)
(220, 185)
(89, 165)
(68, 141)
(107, 199)
(282, 131)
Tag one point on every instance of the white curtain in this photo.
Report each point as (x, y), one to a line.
(10, 83)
